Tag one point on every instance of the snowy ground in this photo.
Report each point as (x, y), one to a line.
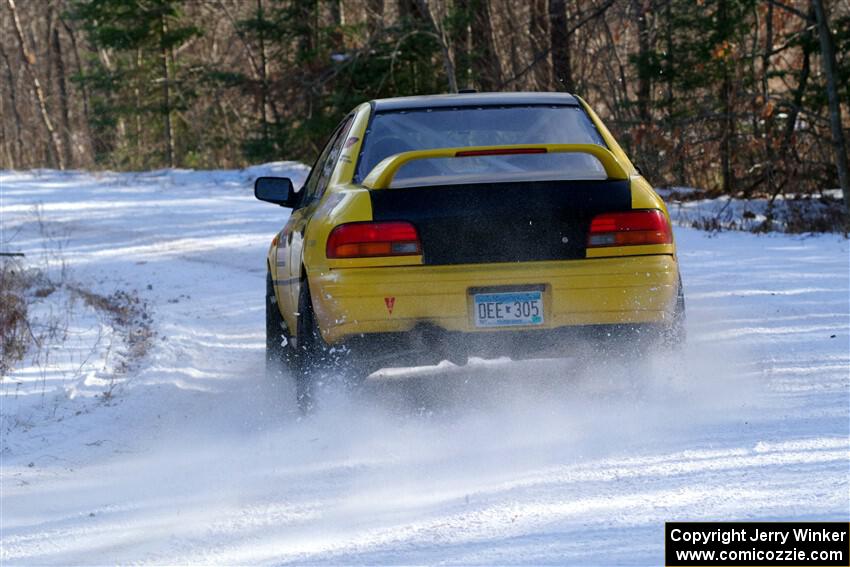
(193, 457)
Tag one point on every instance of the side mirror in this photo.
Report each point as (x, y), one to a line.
(277, 190)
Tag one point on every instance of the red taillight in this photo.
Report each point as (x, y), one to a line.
(369, 239)
(629, 229)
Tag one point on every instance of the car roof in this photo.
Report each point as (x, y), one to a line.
(471, 99)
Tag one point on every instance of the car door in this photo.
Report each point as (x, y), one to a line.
(311, 194)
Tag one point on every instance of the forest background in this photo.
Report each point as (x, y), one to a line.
(739, 97)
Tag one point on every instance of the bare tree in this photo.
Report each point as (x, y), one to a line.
(559, 37)
(644, 91)
(538, 32)
(828, 61)
(727, 120)
(13, 100)
(485, 61)
(374, 16)
(63, 98)
(166, 92)
(461, 53)
(29, 60)
(442, 38)
(81, 87)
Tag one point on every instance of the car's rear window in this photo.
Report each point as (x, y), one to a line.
(401, 131)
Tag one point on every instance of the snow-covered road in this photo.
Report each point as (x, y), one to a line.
(196, 459)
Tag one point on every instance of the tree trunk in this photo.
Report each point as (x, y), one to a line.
(538, 32)
(726, 134)
(63, 98)
(137, 94)
(374, 17)
(408, 9)
(442, 38)
(670, 97)
(839, 145)
(337, 13)
(47, 55)
(29, 61)
(264, 74)
(799, 92)
(306, 29)
(81, 85)
(13, 99)
(512, 13)
(485, 61)
(307, 42)
(460, 45)
(337, 16)
(166, 93)
(559, 39)
(644, 91)
(4, 139)
(768, 108)
(727, 122)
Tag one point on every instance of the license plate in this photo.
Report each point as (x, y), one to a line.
(508, 309)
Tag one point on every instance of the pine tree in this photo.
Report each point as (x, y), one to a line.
(135, 77)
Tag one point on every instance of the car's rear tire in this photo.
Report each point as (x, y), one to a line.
(276, 339)
(316, 360)
(282, 354)
(311, 355)
(306, 356)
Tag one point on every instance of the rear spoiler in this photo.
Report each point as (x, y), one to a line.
(382, 174)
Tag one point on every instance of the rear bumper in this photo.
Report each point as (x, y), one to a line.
(618, 291)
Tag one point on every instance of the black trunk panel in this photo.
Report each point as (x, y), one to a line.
(502, 222)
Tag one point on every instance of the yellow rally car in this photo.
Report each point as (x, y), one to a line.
(437, 227)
